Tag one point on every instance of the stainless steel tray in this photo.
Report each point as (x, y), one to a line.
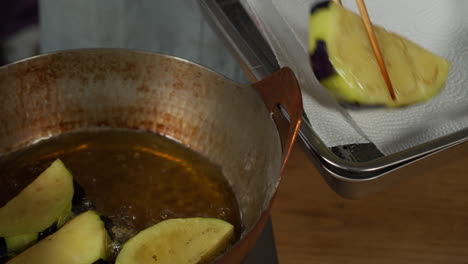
(353, 171)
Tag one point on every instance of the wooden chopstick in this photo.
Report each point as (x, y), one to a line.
(375, 45)
(338, 2)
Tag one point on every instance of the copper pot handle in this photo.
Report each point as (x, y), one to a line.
(282, 88)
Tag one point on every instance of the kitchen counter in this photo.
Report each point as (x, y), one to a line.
(423, 219)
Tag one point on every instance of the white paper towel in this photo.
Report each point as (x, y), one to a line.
(440, 26)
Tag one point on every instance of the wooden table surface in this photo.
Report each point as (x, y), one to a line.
(423, 219)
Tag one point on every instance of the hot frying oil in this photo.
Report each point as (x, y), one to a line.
(135, 179)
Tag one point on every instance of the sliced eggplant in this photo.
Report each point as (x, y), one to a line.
(343, 61)
(191, 240)
(42, 205)
(83, 240)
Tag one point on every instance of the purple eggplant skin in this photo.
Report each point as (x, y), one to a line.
(80, 203)
(3, 251)
(320, 61)
(317, 7)
(108, 224)
(46, 232)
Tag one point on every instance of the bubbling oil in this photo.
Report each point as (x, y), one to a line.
(135, 179)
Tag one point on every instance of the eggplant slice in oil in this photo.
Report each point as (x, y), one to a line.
(38, 210)
(83, 240)
(189, 240)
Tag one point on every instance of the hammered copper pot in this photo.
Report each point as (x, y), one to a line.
(229, 123)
